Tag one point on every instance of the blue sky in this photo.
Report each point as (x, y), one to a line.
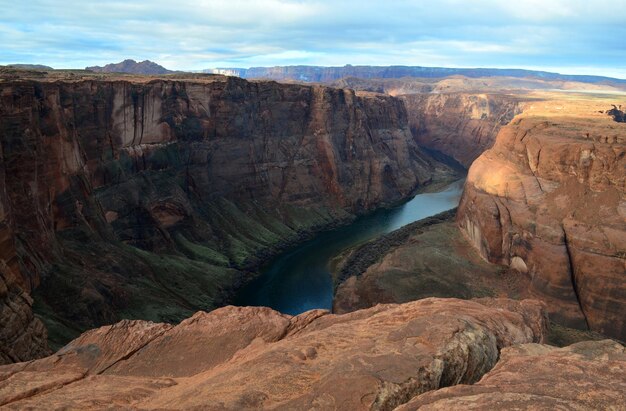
(577, 37)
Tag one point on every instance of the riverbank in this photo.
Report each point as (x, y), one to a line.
(424, 259)
(299, 279)
(429, 258)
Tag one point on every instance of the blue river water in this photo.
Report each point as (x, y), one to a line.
(300, 280)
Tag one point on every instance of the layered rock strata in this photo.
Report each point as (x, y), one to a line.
(549, 201)
(144, 197)
(377, 358)
(460, 125)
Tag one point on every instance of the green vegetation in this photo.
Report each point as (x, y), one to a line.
(158, 274)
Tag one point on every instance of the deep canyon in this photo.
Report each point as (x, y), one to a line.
(143, 204)
(152, 199)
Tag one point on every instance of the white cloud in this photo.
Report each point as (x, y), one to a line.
(192, 34)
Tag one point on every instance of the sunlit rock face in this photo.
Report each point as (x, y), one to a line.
(549, 200)
(588, 375)
(236, 358)
(139, 197)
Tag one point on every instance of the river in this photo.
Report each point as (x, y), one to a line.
(300, 280)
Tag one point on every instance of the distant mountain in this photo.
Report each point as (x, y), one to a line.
(132, 67)
(30, 66)
(319, 74)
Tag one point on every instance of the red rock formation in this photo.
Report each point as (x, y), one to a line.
(460, 125)
(22, 336)
(141, 195)
(549, 200)
(237, 358)
(584, 376)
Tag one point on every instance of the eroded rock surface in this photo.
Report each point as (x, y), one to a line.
(146, 197)
(589, 375)
(549, 201)
(460, 125)
(255, 358)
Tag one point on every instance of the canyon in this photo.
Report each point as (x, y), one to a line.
(142, 197)
(134, 207)
(545, 204)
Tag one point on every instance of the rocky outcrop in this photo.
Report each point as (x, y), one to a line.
(584, 376)
(371, 359)
(460, 125)
(132, 67)
(617, 114)
(549, 201)
(149, 198)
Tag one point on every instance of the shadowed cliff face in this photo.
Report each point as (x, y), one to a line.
(457, 116)
(460, 125)
(548, 200)
(148, 199)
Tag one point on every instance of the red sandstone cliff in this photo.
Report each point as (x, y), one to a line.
(457, 116)
(147, 197)
(460, 125)
(549, 200)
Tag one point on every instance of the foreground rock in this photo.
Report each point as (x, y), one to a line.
(144, 197)
(584, 376)
(255, 358)
(549, 201)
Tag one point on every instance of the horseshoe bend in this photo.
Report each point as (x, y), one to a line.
(302, 237)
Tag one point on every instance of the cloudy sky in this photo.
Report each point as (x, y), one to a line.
(568, 36)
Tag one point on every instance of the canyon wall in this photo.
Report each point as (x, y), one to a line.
(549, 201)
(150, 198)
(457, 116)
(460, 125)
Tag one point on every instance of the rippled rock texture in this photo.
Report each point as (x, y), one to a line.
(588, 375)
(145, 197)
(549, 201)
(254, 358)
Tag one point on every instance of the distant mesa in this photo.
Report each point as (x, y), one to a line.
(131, 67)
(30, 66)
(329, 74)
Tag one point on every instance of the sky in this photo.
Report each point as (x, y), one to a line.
(570, 37)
